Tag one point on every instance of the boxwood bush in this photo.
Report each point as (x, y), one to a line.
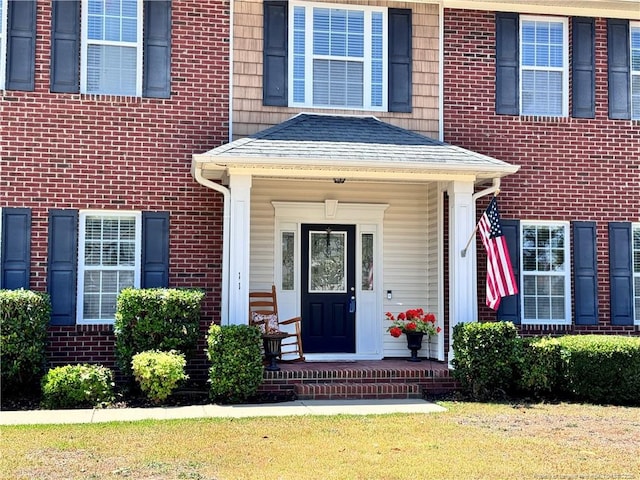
(77, 386)
(158, 373)
(24, 316)
(236, 362)
(487, 358)
(541, 367)
(156, 319)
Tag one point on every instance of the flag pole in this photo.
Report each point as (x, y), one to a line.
(463, 252)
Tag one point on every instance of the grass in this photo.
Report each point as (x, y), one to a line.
(469, 441)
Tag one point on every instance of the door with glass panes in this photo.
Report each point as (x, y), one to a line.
(328, 288)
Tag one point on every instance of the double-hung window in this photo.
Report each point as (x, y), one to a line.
(544, 78)
(109, 257)
(634, 30)
(545, 273)
(339, 56)
(635, 250)
(3, 40)
(111, 47)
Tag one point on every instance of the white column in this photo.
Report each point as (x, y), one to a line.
(463, 296)
(240, 228)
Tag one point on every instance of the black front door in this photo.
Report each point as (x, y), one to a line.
(328, 288)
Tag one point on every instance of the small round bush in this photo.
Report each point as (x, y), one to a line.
(236, 362)
(158, 373)
(77, 386)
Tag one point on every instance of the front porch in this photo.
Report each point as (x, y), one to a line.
(391, 378)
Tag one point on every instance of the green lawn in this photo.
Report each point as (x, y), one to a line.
(470, 440)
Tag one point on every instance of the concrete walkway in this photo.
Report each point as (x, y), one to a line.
(298, 407)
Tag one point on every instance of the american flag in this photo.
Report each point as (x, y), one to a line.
(500, 279)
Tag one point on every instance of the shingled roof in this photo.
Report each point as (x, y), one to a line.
(343, 143)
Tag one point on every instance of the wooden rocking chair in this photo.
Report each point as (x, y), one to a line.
(263, 305)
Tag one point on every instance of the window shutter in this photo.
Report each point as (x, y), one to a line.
(16, 248)
(157, 49)
(275, 63)
(620, 273)
(155, 249)
(585, 273)
(65, 46)
(507, 64)
(400, 60)
(619, 69)
(584, 68)
(21, 45)
(63, 265)
(509, 309)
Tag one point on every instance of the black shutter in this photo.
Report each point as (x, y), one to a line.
(507, 64)
(620, 273)
(21, 45)
(63, 265)
(585, 273)
(509, 309)
(157, 49)
(15, 269)
(400, 58)
(65, 46)
(155, 249)
(618, 68)
(584, 68)
(275, 62)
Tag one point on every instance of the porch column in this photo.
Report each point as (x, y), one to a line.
(463, 298)
(240, 187)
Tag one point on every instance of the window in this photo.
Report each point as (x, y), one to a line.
(111, 47)
(338, 57)
(544, 79)
(3, 40)
(634, 29)
(545, 277)
(109, 256)
(635, 251)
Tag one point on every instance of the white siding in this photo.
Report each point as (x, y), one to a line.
(410, 239)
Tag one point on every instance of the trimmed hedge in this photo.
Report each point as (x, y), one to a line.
(158, 373)
(156, 319)
(77, 386)
(24, 316)
(236, 362)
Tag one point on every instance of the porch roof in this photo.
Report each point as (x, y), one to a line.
(354, 148)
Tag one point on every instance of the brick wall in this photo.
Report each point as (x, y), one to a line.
(123, 153)
(571, 169)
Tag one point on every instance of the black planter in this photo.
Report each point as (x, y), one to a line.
(272, 349)
(414, 343)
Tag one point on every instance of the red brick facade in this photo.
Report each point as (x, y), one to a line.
(76, 151)
(571, 168)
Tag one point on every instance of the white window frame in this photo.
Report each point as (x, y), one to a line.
(85, 43)
(565, 63)
(4, 6)
(634, 27)
(82, 269)
(309, 56)
(635, 227)
(567, 273)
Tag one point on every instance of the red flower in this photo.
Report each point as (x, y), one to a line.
(413, 320)
(402, 316)
(395, 332)
(438, 330)
(430, 317)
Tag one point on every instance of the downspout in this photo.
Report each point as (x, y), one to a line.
(226, 222)
(231, 71)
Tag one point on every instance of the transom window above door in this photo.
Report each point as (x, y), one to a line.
(339, 56)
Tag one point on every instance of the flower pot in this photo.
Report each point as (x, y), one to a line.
(414, 343)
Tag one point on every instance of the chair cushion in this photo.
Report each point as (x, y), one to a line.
(268, 322)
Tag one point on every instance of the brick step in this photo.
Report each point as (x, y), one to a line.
(358, 390)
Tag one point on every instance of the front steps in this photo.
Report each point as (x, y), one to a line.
(382, 379)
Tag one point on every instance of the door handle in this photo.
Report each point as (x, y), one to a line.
(352, 304)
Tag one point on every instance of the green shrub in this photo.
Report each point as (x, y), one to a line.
(156, 319)
(602, 368)
(77, 386)
(236, 362)
(487, 358)
(24, 316)
(541, 367)
(158, 373)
